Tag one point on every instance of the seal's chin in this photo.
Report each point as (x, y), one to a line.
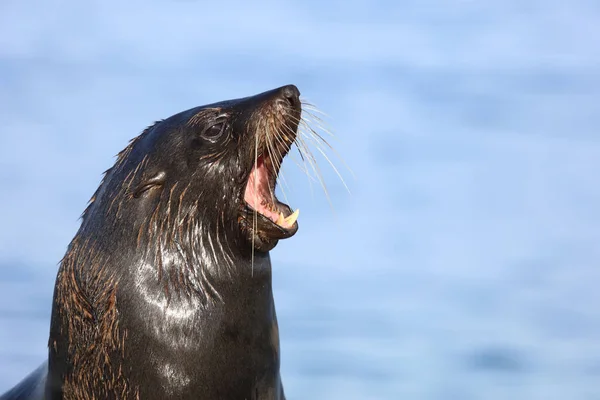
(266, 218)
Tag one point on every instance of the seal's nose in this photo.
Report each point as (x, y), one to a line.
(291, 93)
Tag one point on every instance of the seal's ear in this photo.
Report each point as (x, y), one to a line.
(157, 180)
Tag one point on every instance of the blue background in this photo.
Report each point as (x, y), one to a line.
(464, 263)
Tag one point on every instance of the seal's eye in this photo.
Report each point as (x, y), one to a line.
(214, 132)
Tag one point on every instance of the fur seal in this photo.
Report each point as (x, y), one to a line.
(165, 290)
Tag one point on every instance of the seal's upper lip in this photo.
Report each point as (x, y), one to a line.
(259, 194)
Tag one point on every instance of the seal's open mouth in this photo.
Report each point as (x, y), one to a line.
(259, 194)
(272, 130)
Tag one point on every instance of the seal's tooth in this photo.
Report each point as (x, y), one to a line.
(280, 219)
(289, 221)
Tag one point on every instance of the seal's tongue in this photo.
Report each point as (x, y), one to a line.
(259, 195)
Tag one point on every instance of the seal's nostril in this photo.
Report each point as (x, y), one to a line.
(291, 93)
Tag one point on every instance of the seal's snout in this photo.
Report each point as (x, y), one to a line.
(291, 94)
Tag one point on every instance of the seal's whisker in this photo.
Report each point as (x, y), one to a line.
(332, 166)
(283, 183)
(313, 113)
(306, 128)
(309, 124)
(300, 165)
(315, 138)
(307, 131)
(272, 158)
(318, 138)
(318, 122)
(312, 162)
(275, 157)
(255, 212)
(311, 106)
(303, 119)
(279, 138)
(279, 161)
(307, 157)
(299, 143)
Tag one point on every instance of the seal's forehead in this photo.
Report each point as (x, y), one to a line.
(202, 114)
(228, 103)
(199, 115)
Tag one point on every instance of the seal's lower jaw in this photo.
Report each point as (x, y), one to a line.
(263, 218)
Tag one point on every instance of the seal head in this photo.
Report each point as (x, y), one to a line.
(226, 155)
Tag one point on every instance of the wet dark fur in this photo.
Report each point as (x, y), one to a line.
(160, 294)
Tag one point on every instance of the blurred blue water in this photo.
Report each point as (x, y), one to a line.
(464, 264)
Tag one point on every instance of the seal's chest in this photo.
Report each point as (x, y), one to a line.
(212, 354)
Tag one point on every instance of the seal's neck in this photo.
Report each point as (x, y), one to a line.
(205, 263)
(193, 252)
